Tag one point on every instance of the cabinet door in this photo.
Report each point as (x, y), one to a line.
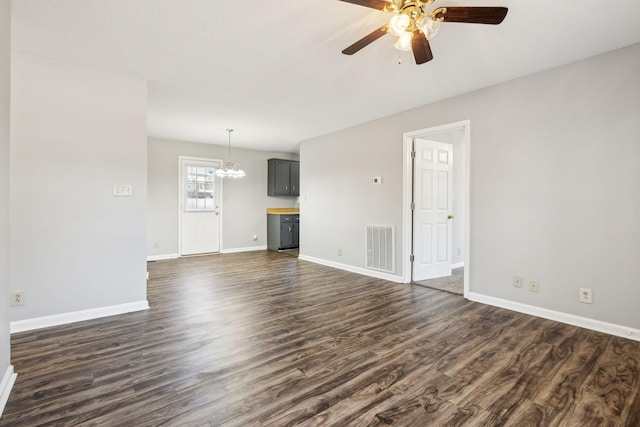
(282, 177)
(286, 234)
(296, 234)
(295, 179)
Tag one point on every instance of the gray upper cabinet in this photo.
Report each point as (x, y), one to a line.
(283, 177)
(295, 178)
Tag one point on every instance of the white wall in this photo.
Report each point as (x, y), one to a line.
(244, 201)
(5, 60)
(76, 132)
(554, 185)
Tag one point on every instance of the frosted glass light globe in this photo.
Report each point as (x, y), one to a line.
(404, 41)
(398, 24)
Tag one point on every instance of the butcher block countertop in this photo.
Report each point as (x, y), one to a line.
(283, 211)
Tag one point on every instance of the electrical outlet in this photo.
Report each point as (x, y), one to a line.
(534, 286)
(517, 281)
(155, 245)
(17, 298)
(339, 252)
(586, 296)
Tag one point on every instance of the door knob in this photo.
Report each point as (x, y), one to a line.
(450, 217)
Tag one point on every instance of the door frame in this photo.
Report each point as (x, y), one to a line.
(407, 191)
(180, 195)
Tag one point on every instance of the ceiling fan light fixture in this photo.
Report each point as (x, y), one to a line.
(429, 26)
(412, 18)
(398, 24)
(404, 42)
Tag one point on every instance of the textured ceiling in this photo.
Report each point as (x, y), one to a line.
(274, 72)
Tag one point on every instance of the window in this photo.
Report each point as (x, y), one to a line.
(199, 185)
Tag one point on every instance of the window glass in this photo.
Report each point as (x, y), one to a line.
(199, 185)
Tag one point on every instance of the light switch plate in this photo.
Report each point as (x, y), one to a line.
(377, 180)
(122, 189)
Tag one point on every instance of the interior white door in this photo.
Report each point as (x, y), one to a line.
(199, 207)
(432, 231)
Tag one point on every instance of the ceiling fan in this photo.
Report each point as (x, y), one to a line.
(414, 25)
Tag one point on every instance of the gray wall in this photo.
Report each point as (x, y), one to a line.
(554, 185)
(75, 133)
(244, 201)
(5, 61)
(338, 197)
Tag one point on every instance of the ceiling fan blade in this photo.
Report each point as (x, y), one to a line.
(366, 40)
(473, 15)
(374, 4)
(421, 49)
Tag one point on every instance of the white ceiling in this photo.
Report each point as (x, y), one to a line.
(274, 72)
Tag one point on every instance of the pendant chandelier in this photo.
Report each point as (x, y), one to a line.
(230, 169)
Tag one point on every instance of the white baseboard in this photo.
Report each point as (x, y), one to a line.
(583, 322)
(352, 269)
(162, 257)
(457, 265)
(222, 251)
(247, 249)
(5, 387)
(76, 316)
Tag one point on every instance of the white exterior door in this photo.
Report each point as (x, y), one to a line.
(432, 215)
(199, 207)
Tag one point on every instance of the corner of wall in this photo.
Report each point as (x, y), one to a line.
(6, 385)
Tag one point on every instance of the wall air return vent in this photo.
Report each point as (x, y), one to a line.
(380, 243)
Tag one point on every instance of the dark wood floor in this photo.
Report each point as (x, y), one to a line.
(263, 339)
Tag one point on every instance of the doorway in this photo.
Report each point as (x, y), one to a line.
(199, 206)
(436, 232)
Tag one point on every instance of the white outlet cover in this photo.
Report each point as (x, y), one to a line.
(534, 286)
(377, 180)
(17, 298)
(517, 281)
(586, 296)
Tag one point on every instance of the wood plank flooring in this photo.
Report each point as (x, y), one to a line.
(264, 339)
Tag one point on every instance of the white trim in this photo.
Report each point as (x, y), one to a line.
(5, 387)
(457, 265)
(247, 249)
(352, 269)
(162, 257)
(407, 187)
(583, 322)
(407, 138)
(76, 316)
